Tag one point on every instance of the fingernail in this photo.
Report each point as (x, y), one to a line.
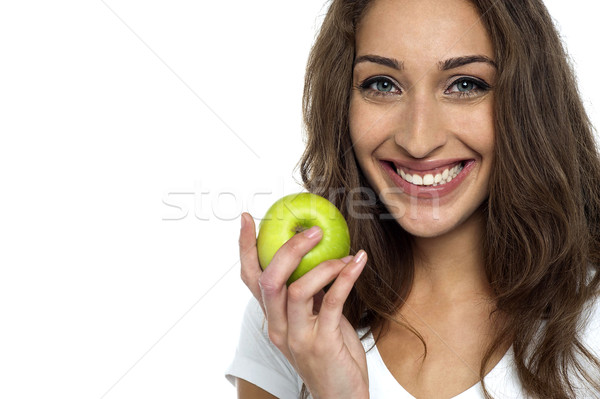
(243, 221)
(312, 232)
(360, 257)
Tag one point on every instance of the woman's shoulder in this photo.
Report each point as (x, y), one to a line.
(590, 321)
(589, 338)
(258, 361)
(590, 324)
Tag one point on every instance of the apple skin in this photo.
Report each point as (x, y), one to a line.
(295, 213)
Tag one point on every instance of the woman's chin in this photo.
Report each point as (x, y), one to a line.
(425, 229)
(429, 224)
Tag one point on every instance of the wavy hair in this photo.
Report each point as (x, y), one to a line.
(541, 248)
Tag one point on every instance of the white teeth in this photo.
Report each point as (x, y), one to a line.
(429, 179)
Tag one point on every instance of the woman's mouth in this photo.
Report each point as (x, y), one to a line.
(429, 182)
(433, 178)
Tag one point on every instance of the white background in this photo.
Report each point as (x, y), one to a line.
(109, 112)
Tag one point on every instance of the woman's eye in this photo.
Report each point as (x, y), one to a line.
(382, 85)
(379, 86)
(467, 87)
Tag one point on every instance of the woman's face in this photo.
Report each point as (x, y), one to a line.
(421, 110)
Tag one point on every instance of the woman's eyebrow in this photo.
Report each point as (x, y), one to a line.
(455, 62)
(450, 63)
(377, 59)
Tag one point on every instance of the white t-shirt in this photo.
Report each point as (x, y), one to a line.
(259, 362)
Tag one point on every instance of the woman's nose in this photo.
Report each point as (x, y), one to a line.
(420, 129)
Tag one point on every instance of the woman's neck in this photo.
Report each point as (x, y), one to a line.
(450, 266)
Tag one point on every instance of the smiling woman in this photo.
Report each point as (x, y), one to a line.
(483, 242)
(422, 105)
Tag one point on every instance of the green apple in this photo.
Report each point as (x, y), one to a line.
(295, 213)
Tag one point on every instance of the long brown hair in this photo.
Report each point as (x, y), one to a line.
(542, 242)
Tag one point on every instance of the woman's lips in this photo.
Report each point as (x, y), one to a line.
(431, 183)
(430, 177)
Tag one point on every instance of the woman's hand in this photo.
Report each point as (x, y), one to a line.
(304, 322)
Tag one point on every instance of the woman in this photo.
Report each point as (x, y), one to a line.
(483, 244)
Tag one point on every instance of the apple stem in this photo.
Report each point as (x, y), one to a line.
(299, 229)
